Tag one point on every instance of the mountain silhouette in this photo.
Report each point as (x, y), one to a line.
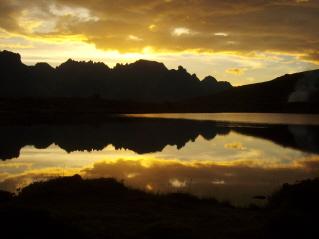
(298, 92)
(143, 87)
(141, 81)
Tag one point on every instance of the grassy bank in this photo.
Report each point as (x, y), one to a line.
(72, 207)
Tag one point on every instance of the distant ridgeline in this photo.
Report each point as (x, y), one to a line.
(147, 81)
(145, 86)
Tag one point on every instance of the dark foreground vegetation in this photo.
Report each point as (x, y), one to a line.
(72, 207)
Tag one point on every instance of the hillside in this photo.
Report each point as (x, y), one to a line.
(288, 93)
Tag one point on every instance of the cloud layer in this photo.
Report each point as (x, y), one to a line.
(235, 38)
(170, 25)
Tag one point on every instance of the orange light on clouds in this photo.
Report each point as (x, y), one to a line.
(208, 37)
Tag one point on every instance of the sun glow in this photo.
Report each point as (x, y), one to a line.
(194, 35)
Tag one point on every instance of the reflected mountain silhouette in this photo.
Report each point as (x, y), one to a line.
(140, 135)
(145, 135)
(301, 137)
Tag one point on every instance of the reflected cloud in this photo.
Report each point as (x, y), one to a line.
(226, 160)
(235, 145)
(177, 183)
(218, 181)
(237, 182)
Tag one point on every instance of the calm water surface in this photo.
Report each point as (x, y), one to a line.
(228, 156)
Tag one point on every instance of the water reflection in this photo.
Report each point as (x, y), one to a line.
(232, 161)
(140, 135)
(145, 135)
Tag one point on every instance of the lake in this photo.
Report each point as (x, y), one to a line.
(233, 157)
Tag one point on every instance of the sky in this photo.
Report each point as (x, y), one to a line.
(241, 42)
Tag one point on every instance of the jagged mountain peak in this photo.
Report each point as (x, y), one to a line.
(10, 57)
(143, 80)
(209, 79)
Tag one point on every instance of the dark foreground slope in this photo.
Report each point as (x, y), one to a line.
(71, 207)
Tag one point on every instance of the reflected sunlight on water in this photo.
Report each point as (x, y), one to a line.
(229, 162)
(263, 118)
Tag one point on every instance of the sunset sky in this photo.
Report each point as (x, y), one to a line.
(239, 41)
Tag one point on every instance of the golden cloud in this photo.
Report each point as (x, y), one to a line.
(236, 71)
(202, 25)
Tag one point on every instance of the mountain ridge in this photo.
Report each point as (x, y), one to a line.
(143, 80)
(296, 88)
(145, 87)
